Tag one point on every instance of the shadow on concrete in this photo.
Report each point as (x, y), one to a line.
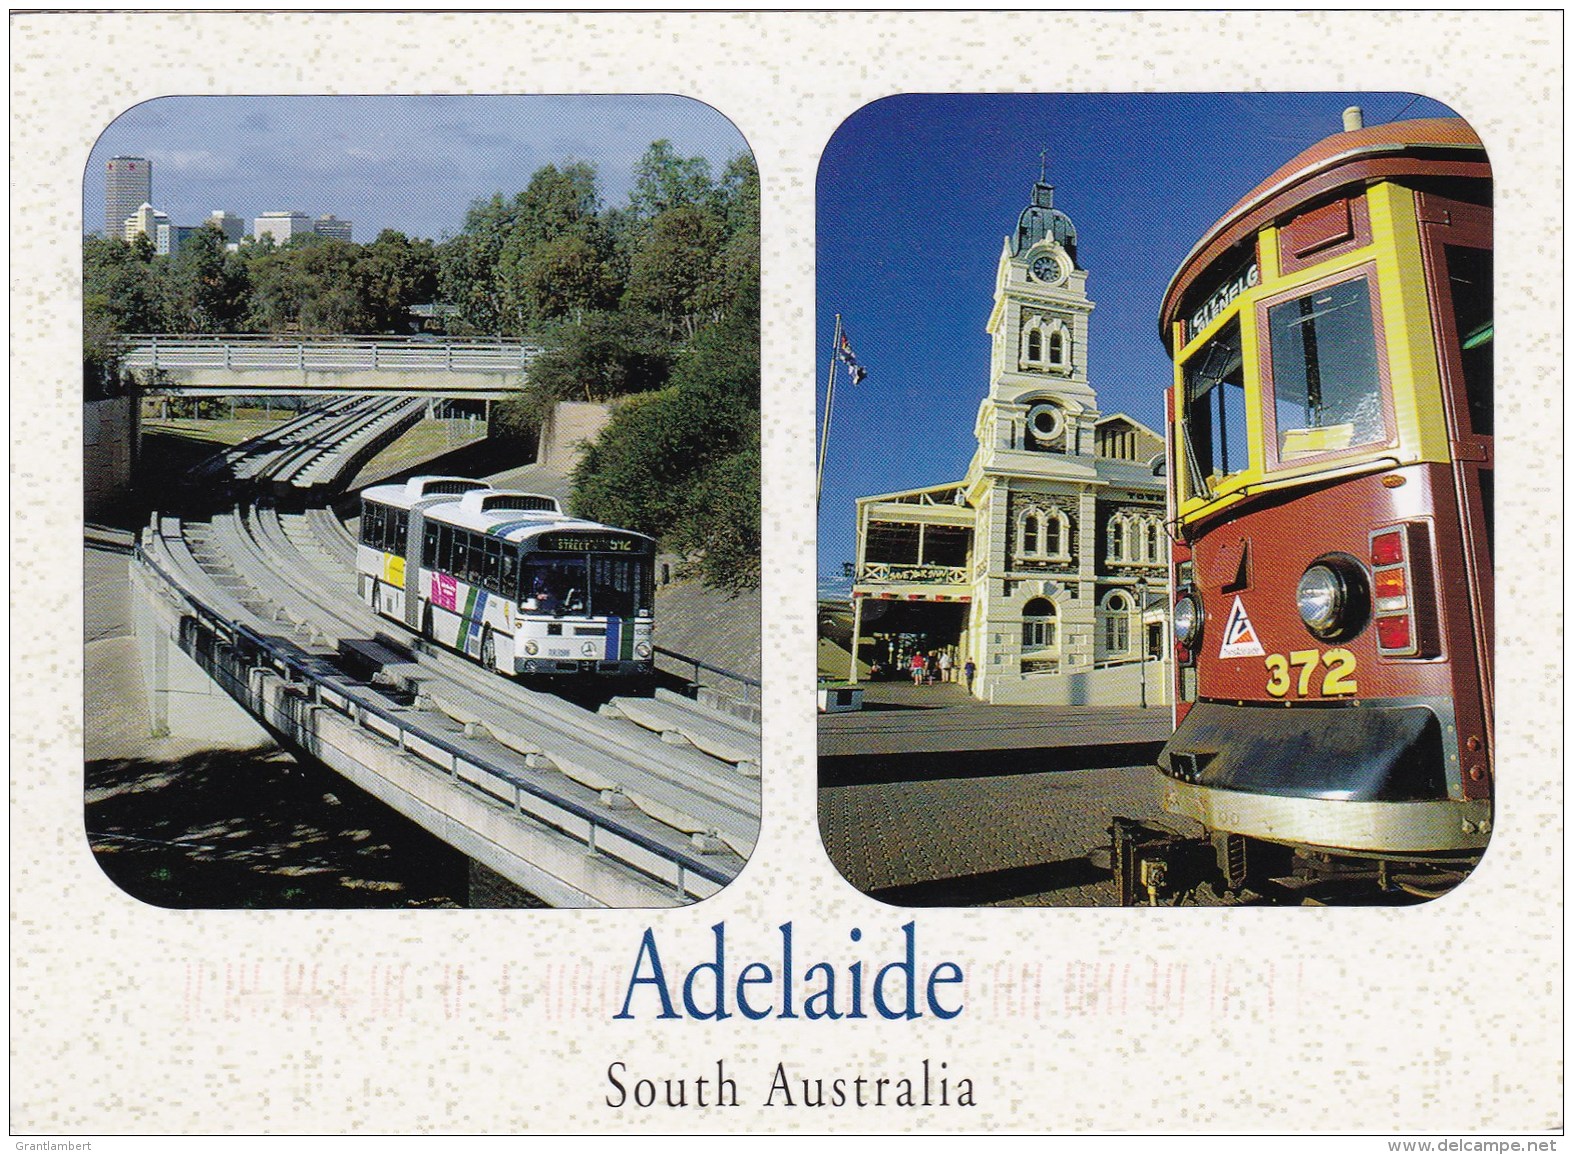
(880, 769)
(994, 885)
(260, 830)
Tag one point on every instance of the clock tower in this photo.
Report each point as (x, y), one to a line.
(1045, 565)
(1039, 400)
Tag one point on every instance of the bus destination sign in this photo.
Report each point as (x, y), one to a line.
(589, 543)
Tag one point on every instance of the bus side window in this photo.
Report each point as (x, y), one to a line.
(401, 532)
(445, 549)
(371, 526)
(429, 555)
(491, 563)
(1215, 408)
(508, 573)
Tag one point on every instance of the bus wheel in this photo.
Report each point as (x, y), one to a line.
(488, 650)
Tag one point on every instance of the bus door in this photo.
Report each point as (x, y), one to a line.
(1456, 244)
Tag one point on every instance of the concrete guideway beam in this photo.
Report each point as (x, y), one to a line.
(562, 850)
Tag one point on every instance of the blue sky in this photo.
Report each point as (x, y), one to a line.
(412, 163)
(915, 196)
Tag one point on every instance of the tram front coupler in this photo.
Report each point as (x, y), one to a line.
(1155, 866)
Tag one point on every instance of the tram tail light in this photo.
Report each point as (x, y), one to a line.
(1392, 633)
(1387, 547)
(1400, 572)
(1392, 592)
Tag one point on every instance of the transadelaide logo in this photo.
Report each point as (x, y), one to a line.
(1239, 636)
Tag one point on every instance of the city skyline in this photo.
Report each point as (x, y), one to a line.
(414, 164)
(915, 195)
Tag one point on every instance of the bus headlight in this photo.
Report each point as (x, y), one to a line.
(531, 648)
(1188, 619)
(642, 650)
(1333, 597)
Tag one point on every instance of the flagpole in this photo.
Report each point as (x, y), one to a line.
(830, 397)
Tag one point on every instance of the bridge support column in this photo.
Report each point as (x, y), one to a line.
(158, 687)
(182, 700)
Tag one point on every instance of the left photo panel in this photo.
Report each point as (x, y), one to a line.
(421, 499)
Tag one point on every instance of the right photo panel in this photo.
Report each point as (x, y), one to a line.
(1155, 499)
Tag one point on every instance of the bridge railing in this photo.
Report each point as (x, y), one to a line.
(272, 353)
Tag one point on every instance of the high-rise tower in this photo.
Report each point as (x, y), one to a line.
(128, 184)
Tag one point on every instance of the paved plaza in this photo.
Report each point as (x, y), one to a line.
(928, 798)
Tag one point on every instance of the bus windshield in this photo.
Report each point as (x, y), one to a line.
(554, 586)
(595, 586)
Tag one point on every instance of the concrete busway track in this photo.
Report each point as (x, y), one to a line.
(317, 449)
(589, 831)
(692, 788)
(684, 776)
(430, 769)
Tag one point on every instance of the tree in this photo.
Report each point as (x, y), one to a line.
(664, 181)
(124, 284)
(675, 272)
(207, 288)
(682, 464)
(394, 273)
(563, 277)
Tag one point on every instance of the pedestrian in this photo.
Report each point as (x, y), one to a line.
(944, 665)
(917, 667)
(970, 669)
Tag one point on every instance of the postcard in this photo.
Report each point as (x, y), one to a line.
(812, 573)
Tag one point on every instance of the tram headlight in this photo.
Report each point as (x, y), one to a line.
(530, 647)
(1333, 597)
(1188, 618)
(642, 650)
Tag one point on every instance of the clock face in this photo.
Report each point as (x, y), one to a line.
(1046, 268)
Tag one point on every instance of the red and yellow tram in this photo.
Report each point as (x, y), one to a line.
(1330, 499)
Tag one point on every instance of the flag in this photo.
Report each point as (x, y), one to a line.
(849, 359)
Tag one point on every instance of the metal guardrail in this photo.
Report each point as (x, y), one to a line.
(339, 694)
(246, 352)
(743, 679)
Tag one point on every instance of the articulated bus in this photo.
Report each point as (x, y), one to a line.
(507, 578)
(1330, 430)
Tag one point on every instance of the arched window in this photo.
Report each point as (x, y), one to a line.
(1056, 348)
(1152, 541)
(1031, 525)
(1117, 539)
(1039, 620)
(1043, 534)
(1034, 345)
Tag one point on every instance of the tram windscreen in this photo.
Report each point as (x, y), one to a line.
(1327, 390)
(1214, 426)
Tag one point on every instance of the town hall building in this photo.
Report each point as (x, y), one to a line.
(1047, 564)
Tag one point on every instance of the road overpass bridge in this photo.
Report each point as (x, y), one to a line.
(221, 365)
